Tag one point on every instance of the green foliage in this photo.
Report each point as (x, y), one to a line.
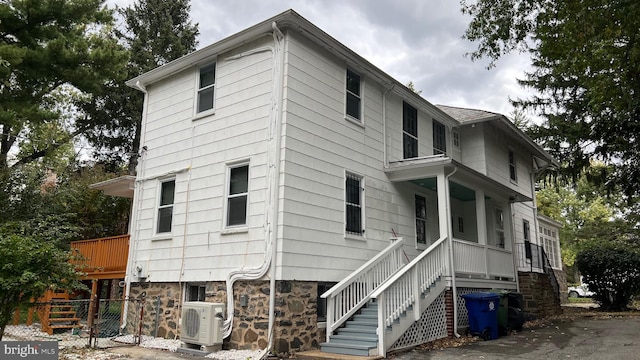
(585, 57)
(29, 265)
(60, 206)
(47, 44)
(157, 32)
(612, 272)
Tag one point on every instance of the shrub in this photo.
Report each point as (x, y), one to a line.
(612, 272)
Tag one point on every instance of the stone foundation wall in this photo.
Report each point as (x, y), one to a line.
(562, 284)
(295, 327)
(538, 295)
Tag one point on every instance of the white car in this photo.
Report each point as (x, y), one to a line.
(581, 290)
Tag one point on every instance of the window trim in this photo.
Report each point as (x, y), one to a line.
(161, 183)
(526, 231)
(360, 119)
(361, 185)
(407, 110)
(198, 89)
(435, 124)
(228, 196)
(513, 166)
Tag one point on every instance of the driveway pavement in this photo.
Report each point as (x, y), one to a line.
(585, 338)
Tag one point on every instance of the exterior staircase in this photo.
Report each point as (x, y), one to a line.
(359, 335)
(373, 307)
(56, 313)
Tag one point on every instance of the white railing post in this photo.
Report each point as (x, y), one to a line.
(331, 302)
(382, 304)
(415, 284)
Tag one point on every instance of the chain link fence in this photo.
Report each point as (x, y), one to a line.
(83, 323)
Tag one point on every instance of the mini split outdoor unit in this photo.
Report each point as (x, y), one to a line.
(202, 323)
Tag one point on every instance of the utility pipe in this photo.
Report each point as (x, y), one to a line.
(454, 290)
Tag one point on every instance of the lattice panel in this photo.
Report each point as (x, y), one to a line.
(431, 326)
(463, 315)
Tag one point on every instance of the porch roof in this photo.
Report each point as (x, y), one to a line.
(122, 186)
(431, 166)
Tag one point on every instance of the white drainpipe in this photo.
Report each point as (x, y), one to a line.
(271, 231)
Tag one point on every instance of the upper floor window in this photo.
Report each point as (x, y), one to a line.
(353, 95)
(206, 87)
(421, 219)
(354, 204)
(439, 138)
(456, 139)
(513, 169)
(165, 206)
(238, 193)
(409, 131)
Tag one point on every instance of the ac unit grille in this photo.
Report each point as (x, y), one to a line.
(191, 322)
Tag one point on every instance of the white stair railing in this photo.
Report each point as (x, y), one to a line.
(350, 294)
(404, 290)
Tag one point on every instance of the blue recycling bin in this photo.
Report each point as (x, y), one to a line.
(482, 308)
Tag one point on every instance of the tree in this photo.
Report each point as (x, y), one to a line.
(585, 57)
(612, 272)
(46, 44)
(28, 267)
(156, 33)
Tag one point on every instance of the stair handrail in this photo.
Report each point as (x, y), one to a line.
(350, 294)
(407, 286)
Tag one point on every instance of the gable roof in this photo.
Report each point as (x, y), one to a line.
(468, 116)
(290, 20)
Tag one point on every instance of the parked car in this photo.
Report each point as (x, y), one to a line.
(581, 290)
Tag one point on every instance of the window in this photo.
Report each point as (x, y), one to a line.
(439, 140)
(206, 87)
(196, 293)
(456, 139)
(409, 131)
(513, 173)
(353, 202)
(551, 245)
(460, 224)
(165, 207)
(499, 228)
(527, 239)
(353, 95)
(421, 220)
(237, 195)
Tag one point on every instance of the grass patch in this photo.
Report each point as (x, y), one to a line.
(583, 300)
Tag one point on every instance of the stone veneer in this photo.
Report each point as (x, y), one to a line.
(295, 327)
(538, 296)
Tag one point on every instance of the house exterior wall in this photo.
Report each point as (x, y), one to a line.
(195, 150)
(473, 147)
(321, 144)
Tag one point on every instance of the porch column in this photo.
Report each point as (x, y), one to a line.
(443, 205)
(481, 217)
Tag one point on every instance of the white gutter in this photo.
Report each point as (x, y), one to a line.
(454, 290)
(137, 197)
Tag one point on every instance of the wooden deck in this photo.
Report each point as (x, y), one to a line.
(104, 258)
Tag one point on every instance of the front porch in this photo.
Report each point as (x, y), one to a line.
(464, 240)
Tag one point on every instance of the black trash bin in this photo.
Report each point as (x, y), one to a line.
(515, 315)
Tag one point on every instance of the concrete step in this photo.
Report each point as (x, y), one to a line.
(348, 349)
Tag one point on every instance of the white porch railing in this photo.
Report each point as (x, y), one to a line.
(406, 288)
(350, 294)
(482, 260)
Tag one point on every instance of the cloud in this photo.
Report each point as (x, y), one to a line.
(412, 40)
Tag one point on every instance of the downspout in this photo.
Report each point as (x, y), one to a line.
(384, 126)
(279, 76)
(137, 198)
(454, 290)
(271, 233)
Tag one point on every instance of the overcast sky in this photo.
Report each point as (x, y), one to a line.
(412, 40)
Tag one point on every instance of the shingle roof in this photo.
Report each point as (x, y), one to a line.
(464, 115)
